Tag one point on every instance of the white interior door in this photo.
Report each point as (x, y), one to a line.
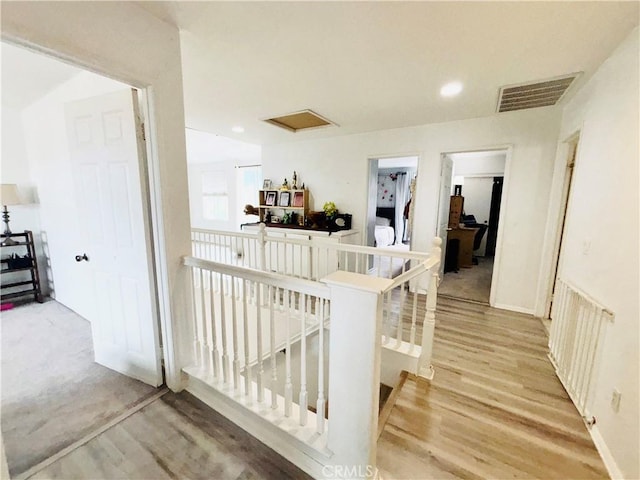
(105, 149)
(446, 175)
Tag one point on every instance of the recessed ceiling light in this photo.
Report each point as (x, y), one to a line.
(238, 129)
(451, 89)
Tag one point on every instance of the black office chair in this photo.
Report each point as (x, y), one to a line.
(469, 221)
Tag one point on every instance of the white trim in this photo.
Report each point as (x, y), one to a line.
(167, 334)
(606, 455)
(513, 308)
(495, 274)
(558, 202)
(497, 258)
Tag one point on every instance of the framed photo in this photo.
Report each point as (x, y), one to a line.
(270, 199)
(298, 199)
(285, 199)
(267, 184)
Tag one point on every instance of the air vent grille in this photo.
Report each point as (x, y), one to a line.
(532, 95)
(297, 121)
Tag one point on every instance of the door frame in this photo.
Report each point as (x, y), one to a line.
(153, 209)
(372, 193)
(497, 262)
(570, 149)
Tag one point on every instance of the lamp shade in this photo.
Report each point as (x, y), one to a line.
(9, 194)
(458, 180)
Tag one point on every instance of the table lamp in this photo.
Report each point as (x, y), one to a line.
(8, 196)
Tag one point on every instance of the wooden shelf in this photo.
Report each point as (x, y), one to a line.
(12, 270)
(300, 196)
(33, 280)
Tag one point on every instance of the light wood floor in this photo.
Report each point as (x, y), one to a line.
(175, 437)
(494, 410)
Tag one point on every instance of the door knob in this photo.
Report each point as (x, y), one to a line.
(82, 257)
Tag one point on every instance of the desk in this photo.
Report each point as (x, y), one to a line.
(466, 236)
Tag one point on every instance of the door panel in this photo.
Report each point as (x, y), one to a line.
(103, 145)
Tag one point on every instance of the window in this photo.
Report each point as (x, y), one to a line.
(249, 182)
(215, 196)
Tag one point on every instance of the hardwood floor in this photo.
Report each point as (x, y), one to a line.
(176, 436)
(495, 408)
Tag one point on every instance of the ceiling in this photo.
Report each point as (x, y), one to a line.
(376, 65)
(27, 76)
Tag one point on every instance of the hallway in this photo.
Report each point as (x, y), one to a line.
(494, 410)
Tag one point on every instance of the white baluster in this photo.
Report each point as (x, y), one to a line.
(245, 335)
(400, 322)
(236, 359)
(223, 331)
(273, 292)
(204, 344)
(214, 354)
(259, 365)
(196, 321)
(320, 404)
(303, 402)
(288, 388)
(414, 316)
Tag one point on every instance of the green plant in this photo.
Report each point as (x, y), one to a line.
(329, 209)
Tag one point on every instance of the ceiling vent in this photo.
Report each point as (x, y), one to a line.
(303, 120)
(532, 95)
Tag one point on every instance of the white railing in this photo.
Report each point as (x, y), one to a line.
(261, 343)
(311, 259)
(577, 334)
(245, 325)
(404, 306)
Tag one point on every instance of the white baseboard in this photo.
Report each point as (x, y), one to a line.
(605, 453)
(513, 308)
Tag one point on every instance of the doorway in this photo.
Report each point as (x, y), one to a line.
(110, 213)
(392, 183)
(474, 194)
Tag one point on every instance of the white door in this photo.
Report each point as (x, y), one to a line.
(106, 150)
(446, 175)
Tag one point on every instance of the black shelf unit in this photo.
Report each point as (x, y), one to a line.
(24, 239)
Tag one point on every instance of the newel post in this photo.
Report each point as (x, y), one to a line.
(262, 242)
(425, 369)
(354, 372)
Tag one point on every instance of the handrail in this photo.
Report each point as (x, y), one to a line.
(363, 249)
(308, 287)
(413, 273)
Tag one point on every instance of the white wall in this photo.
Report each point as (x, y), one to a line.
(601, 237)
(124, 42)
(52, 171)
(15, 169)
(336, 169)
(207, 152)
(479, 163)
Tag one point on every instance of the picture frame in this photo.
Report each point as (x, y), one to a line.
(298, 199)
(285, 199)
(267, 184)
(270, 198)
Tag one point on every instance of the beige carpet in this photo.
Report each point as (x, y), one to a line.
(469, 283)
(53, 394)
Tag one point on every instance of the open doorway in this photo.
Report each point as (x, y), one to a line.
(80, 200)
(392, 183)
(472, 221)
